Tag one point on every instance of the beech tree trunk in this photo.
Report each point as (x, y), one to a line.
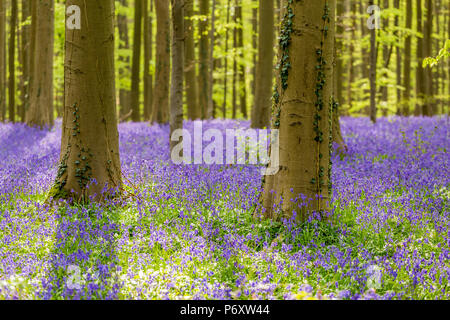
(190, 66)
(203, 78)
(407, 61)
(398, 68)
(160, 109)
(176, 90)
(90, 139)
(427, 43)
(124, 72)
(135, 68)
(2, 60)
(420, 85)
(11, 60)
(40, 110)
(373, 73)
(210, 112)
(302, 111)
(264, 74)
(242, 87)
(148, 55)
(25, 58)
(225, 86)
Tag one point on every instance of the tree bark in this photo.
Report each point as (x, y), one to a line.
(225, 86)
(302, 111)
(420, 89)
(398, 68)
(242, 86)
(135, 68)
(124, 72)
(407, 61)
(235, 72)
(11, 60)
(41, 81)
(176, 90)
(25, 58)
(373, 73)
(203, 78)
(264, 68)
(160, 109)
(193, 110)
(148, 55)
(427, 43)
(2, 60)
(90, 139)
(210, 107)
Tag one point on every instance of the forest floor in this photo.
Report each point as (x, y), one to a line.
(188, 231)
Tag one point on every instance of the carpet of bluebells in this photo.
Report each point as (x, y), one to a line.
(189, 232)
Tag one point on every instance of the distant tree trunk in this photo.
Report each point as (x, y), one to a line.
(135, 68)
(11, 60)
(398, 68)
(90, 139)
(25, 58)
(41, 82)
(365, 56)
(386, 60)
(420, 89)
(302, 111)
(203, 78)
(264, 74)
(351, 11)
(2, 60)
(225, 86)
(242, 87)
(210, 107)
(427, 43)
(176, 90)
(339, 96)
(193, 110)
(124, 72)
(407, 63)
(160, 107)
(373, 73)
(148, 55)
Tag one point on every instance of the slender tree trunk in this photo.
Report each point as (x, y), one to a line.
(148, 54)
(255, 45)
(351, 11)
(2, 60)
(210, 108)
(25, 58)
(225, 87)
(264, 67)
(193, 110)
(407, 64)
(338, 93)
(204, 64)
(160, 107)
(398, 68)
(373, 73)
(427, 42)
(135, 69)
(124, 72)
(41, 82)
(90, 139)
(302, 111)
(235, 72)
(176, 90)
(420, 85)
(386, 61)
(11, 60)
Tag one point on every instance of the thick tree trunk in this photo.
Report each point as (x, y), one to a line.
(225, 86)
(160, 109)
(2, 60)
(193, 110)
(148, 55)
(203, 77)
(420, 85)
(90, 139)
(124, 72)
(407, 61)
(176, 90)
(25, 58)
(302, 111)
(427, 43)
(11, 64)
(242, 87)
(264, 68)
(373, 73)
(41, 81)
(135, 68)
